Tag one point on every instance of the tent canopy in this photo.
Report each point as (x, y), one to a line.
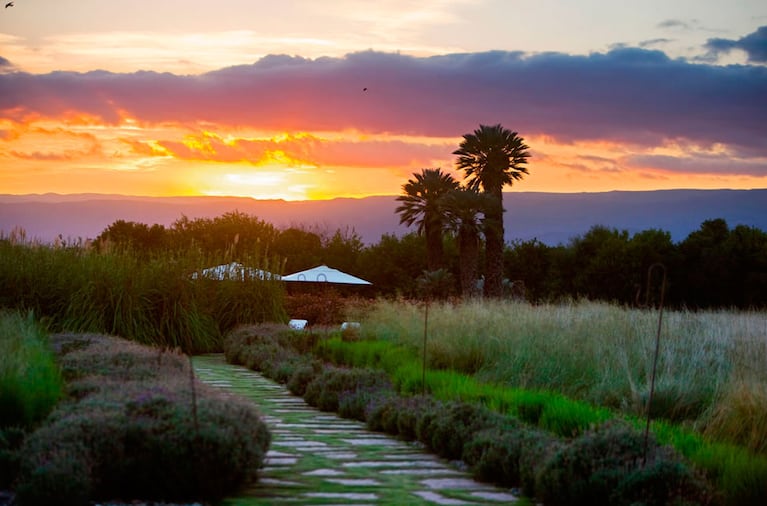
(325, 274)
(235, 271)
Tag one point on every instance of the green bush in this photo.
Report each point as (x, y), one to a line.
(456, 427)
(324, 390)
(303, 374)
(152, 299)
(30, 381)
(604, 467)
(133, 431)
(59, 476)
(493, 454)
(382, 413)
(359, 403)
(411, 409)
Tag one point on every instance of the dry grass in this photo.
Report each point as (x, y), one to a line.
(712, 364)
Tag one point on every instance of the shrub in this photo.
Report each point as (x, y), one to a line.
(30, 381)
(11, 440)
(456, 427)
(359, 403)
(493, 455)
(382, 414)
(424, 427)
(536, 450)
(740, 417)
(59, 476)
(320, 308)
(132, 433)
(604, 466)
(411, 409)
(303, 374)
(324, 390)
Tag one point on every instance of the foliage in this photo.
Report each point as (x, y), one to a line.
(491, 158)
(30, 382)
(501, 448)
(325, 390)
(131, 430)
(320, 307)
(598, 353)
(153, 300)
(11, 441)
(422, 204)
(714, 267)
(607, 466)
(394, 263)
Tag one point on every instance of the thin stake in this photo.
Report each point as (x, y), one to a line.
(194, 397)
(657, 350)
(423, 368)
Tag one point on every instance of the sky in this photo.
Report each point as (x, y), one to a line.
(314, 100)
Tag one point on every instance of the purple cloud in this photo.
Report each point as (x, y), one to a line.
(754, 44)
(627, 95)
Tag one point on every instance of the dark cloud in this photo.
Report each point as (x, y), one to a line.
(627, 94)
(654, 42)
(676, 23)
(701, 164)
(6, 65)
(754, 44)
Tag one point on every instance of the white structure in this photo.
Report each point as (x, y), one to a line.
(298, 324)
(350, 326)
(234, 271)
(325, 274)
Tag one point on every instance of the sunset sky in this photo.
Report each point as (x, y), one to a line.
(312, 99)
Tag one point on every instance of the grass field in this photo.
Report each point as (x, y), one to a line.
(561, 366)
(712, 368)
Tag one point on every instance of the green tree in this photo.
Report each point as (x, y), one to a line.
(342, 249)
(493, 157)
(600, 258)
(422, 205)
(748, 246)
(704, 278)
(300, 248)
(137, 237)
(233, 236)
(394, 264)
(463, 209)
(530, 262)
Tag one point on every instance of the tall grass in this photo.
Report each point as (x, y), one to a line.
(711, 367)
(720, 428)
(151, 300)
(30, 382)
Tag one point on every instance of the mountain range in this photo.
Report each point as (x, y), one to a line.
(552, 218)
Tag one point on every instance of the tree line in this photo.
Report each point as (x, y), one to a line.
(458, 247)
(714, 266)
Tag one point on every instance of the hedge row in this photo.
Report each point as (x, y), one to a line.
(603, 466)
(131, 429)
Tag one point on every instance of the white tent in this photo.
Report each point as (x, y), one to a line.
(234, 271)
(325, 274)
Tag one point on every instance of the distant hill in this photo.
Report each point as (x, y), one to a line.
(552, 218)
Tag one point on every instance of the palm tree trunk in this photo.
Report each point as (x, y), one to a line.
(435, 251)
(468, 244)
(494, 252)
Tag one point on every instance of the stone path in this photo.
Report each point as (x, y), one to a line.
(319, 458)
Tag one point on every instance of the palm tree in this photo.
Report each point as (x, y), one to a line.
(463, 208)
(421, 205)
(491, 158)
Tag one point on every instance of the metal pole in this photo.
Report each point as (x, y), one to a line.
(423, 367)
(657, 350)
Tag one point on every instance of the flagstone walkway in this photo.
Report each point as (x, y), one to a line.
(319, 458)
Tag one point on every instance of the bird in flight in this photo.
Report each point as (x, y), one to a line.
(9, 4)
(364, 89)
